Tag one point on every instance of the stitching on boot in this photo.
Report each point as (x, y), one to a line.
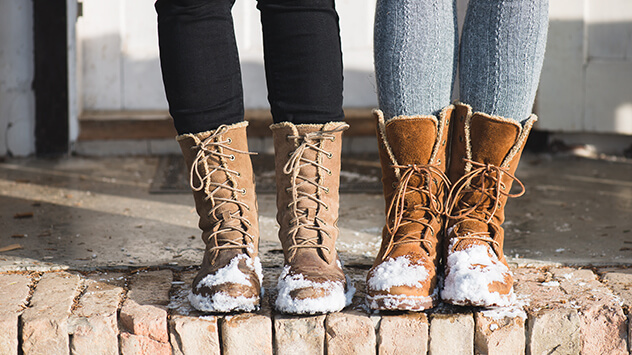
(522, 138)
(441, 121)
(382, 127)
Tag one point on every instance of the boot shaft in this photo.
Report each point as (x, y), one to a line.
(222, 180)
(307, 164)
(490, 143)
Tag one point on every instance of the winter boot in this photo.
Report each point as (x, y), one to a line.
(223, 187)
(485, 153)
(413, 156)
(307, 174)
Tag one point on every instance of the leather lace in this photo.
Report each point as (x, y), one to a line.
(484, 180)
(216, 146)
(307, 218)
(433, 208)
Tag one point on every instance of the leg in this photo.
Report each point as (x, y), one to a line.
(203, 84)
(501, 58)
(414, 63)
(304, 74)
(303, 60)
(415, 53)
(502, 51)
(200, 64)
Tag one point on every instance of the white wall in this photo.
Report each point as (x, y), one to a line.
(586, 83)
(119, 54)
(17, 102)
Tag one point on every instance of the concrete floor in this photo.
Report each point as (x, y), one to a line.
(93, 213)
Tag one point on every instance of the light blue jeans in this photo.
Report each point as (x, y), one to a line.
(500, 59)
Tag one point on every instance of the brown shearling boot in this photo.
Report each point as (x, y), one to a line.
(308, 176)
(223, 187)
(485, 154)
(414, 160)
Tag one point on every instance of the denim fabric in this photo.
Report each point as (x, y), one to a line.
(502, 51)
(201, 70)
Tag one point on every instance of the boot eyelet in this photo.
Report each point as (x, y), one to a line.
(393, 184)
(438, 161)
(444, 142)
(333, 139)
(326, 208)
(230, 140)
(326, 190)
(460, 138)
(238, 174)
(232, 157)
(328, 172)
(462, 118)
(330, 155)
(243, 191)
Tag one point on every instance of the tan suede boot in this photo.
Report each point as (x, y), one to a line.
(413, 156)
(308, 177)
(223, 187)
(485, 154)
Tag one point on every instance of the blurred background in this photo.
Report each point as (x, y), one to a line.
(83, 77)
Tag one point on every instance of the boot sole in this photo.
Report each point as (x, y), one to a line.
(401, 302)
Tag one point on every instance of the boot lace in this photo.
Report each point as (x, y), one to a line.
(307, 218)
(483, 183)
(398, 208)
(202, 169)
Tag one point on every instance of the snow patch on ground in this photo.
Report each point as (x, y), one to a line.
(223, 302)
(397, 272)
(335, 299)
(470, 272)
(551, 284)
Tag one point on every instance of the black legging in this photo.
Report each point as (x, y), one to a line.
(200, 63)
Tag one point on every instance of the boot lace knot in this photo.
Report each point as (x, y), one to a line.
(477, 196)
(401, 211)
(307, 217)
(213, 155)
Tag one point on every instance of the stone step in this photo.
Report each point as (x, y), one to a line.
(560, 310)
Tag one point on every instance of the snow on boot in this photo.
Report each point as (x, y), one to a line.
(223, 187)
(412, 150)
(307, 174)
(484, 157)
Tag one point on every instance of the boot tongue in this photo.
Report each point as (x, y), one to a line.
(412, 139)
(492, 138)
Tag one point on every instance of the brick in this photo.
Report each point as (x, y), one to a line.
(403, 334)
(602, 320)
(145, 320)
(144, 313)
(93, 324)
(553, 331)
(14, 292)
(499, 332)
(349, 333)
(299, 335)
(194, 335)
(141, 345)
(538, 289)
(45, 323)
(451, 334)
(247, 333)
(619, 283)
